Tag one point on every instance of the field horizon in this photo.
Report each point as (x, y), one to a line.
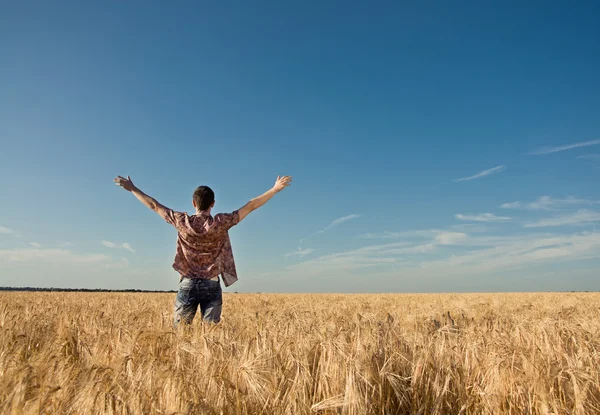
(141, 291)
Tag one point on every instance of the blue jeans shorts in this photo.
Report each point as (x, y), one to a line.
(194, 292)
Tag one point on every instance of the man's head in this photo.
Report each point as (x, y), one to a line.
(204, 198)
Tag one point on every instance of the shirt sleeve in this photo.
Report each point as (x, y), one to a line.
(177, 219)
(228, 220)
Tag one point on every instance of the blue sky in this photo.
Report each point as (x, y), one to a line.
(433, 147)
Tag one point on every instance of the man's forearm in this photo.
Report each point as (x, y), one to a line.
(261, 200)
(145, 199)
(280, 184)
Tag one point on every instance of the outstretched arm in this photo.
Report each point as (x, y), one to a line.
(128, 185)
(280, 184)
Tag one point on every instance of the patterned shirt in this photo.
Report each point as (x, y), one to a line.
(203, 245)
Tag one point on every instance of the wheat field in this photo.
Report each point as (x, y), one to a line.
(87, 353)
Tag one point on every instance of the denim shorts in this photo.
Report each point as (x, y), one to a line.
(194, 292)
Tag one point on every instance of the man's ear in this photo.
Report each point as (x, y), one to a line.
(194, 203)
(213, 204)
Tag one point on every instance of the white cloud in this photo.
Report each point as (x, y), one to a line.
(512, 205)
(481, 174)
(396, 235)
(127, 246)
(589, 157)
(301, 253)
(50, 255)
(383, 254)
(469, 227)
(114, 245)
(35, 244)
(411, 250)
(343, 219)
(123, 263)
(482, 217)
(6, 231)
(450, 238)
(331, 225)
(384, 235)
(472, 255)
(549, 150)
(549, 203)
(344, 261)
(520, 251)
(581, 217)
(442, 236)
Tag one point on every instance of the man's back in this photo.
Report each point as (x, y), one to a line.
(203, 245)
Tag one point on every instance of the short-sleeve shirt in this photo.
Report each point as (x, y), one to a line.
(203, 244)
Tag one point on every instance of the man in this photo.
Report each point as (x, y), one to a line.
(203, 248)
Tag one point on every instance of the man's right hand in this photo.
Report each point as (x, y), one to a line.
(125, 183)
(282, 182)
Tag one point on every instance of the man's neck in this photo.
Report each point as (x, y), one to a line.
(203, 212)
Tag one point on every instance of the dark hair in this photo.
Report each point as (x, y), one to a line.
(204, 197)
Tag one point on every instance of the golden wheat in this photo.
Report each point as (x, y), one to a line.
(90, 353)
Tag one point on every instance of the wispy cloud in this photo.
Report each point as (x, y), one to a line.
(341, 220)
(383, 254)
(438, 234)
(35, 244)
(7, 231)
(123, 263)
(51, 255)
(344, 261)
(405, 234)
(127, 246)
(114, 245)
(511, 205)
(549, 203)
(482, 217)
(331, 225)
(300, 253)
(497, 253)
(450, 238)
(481, 174)
(589, 157)
(549, 150)
(469, 227)
(581, 217)
(441, 255)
